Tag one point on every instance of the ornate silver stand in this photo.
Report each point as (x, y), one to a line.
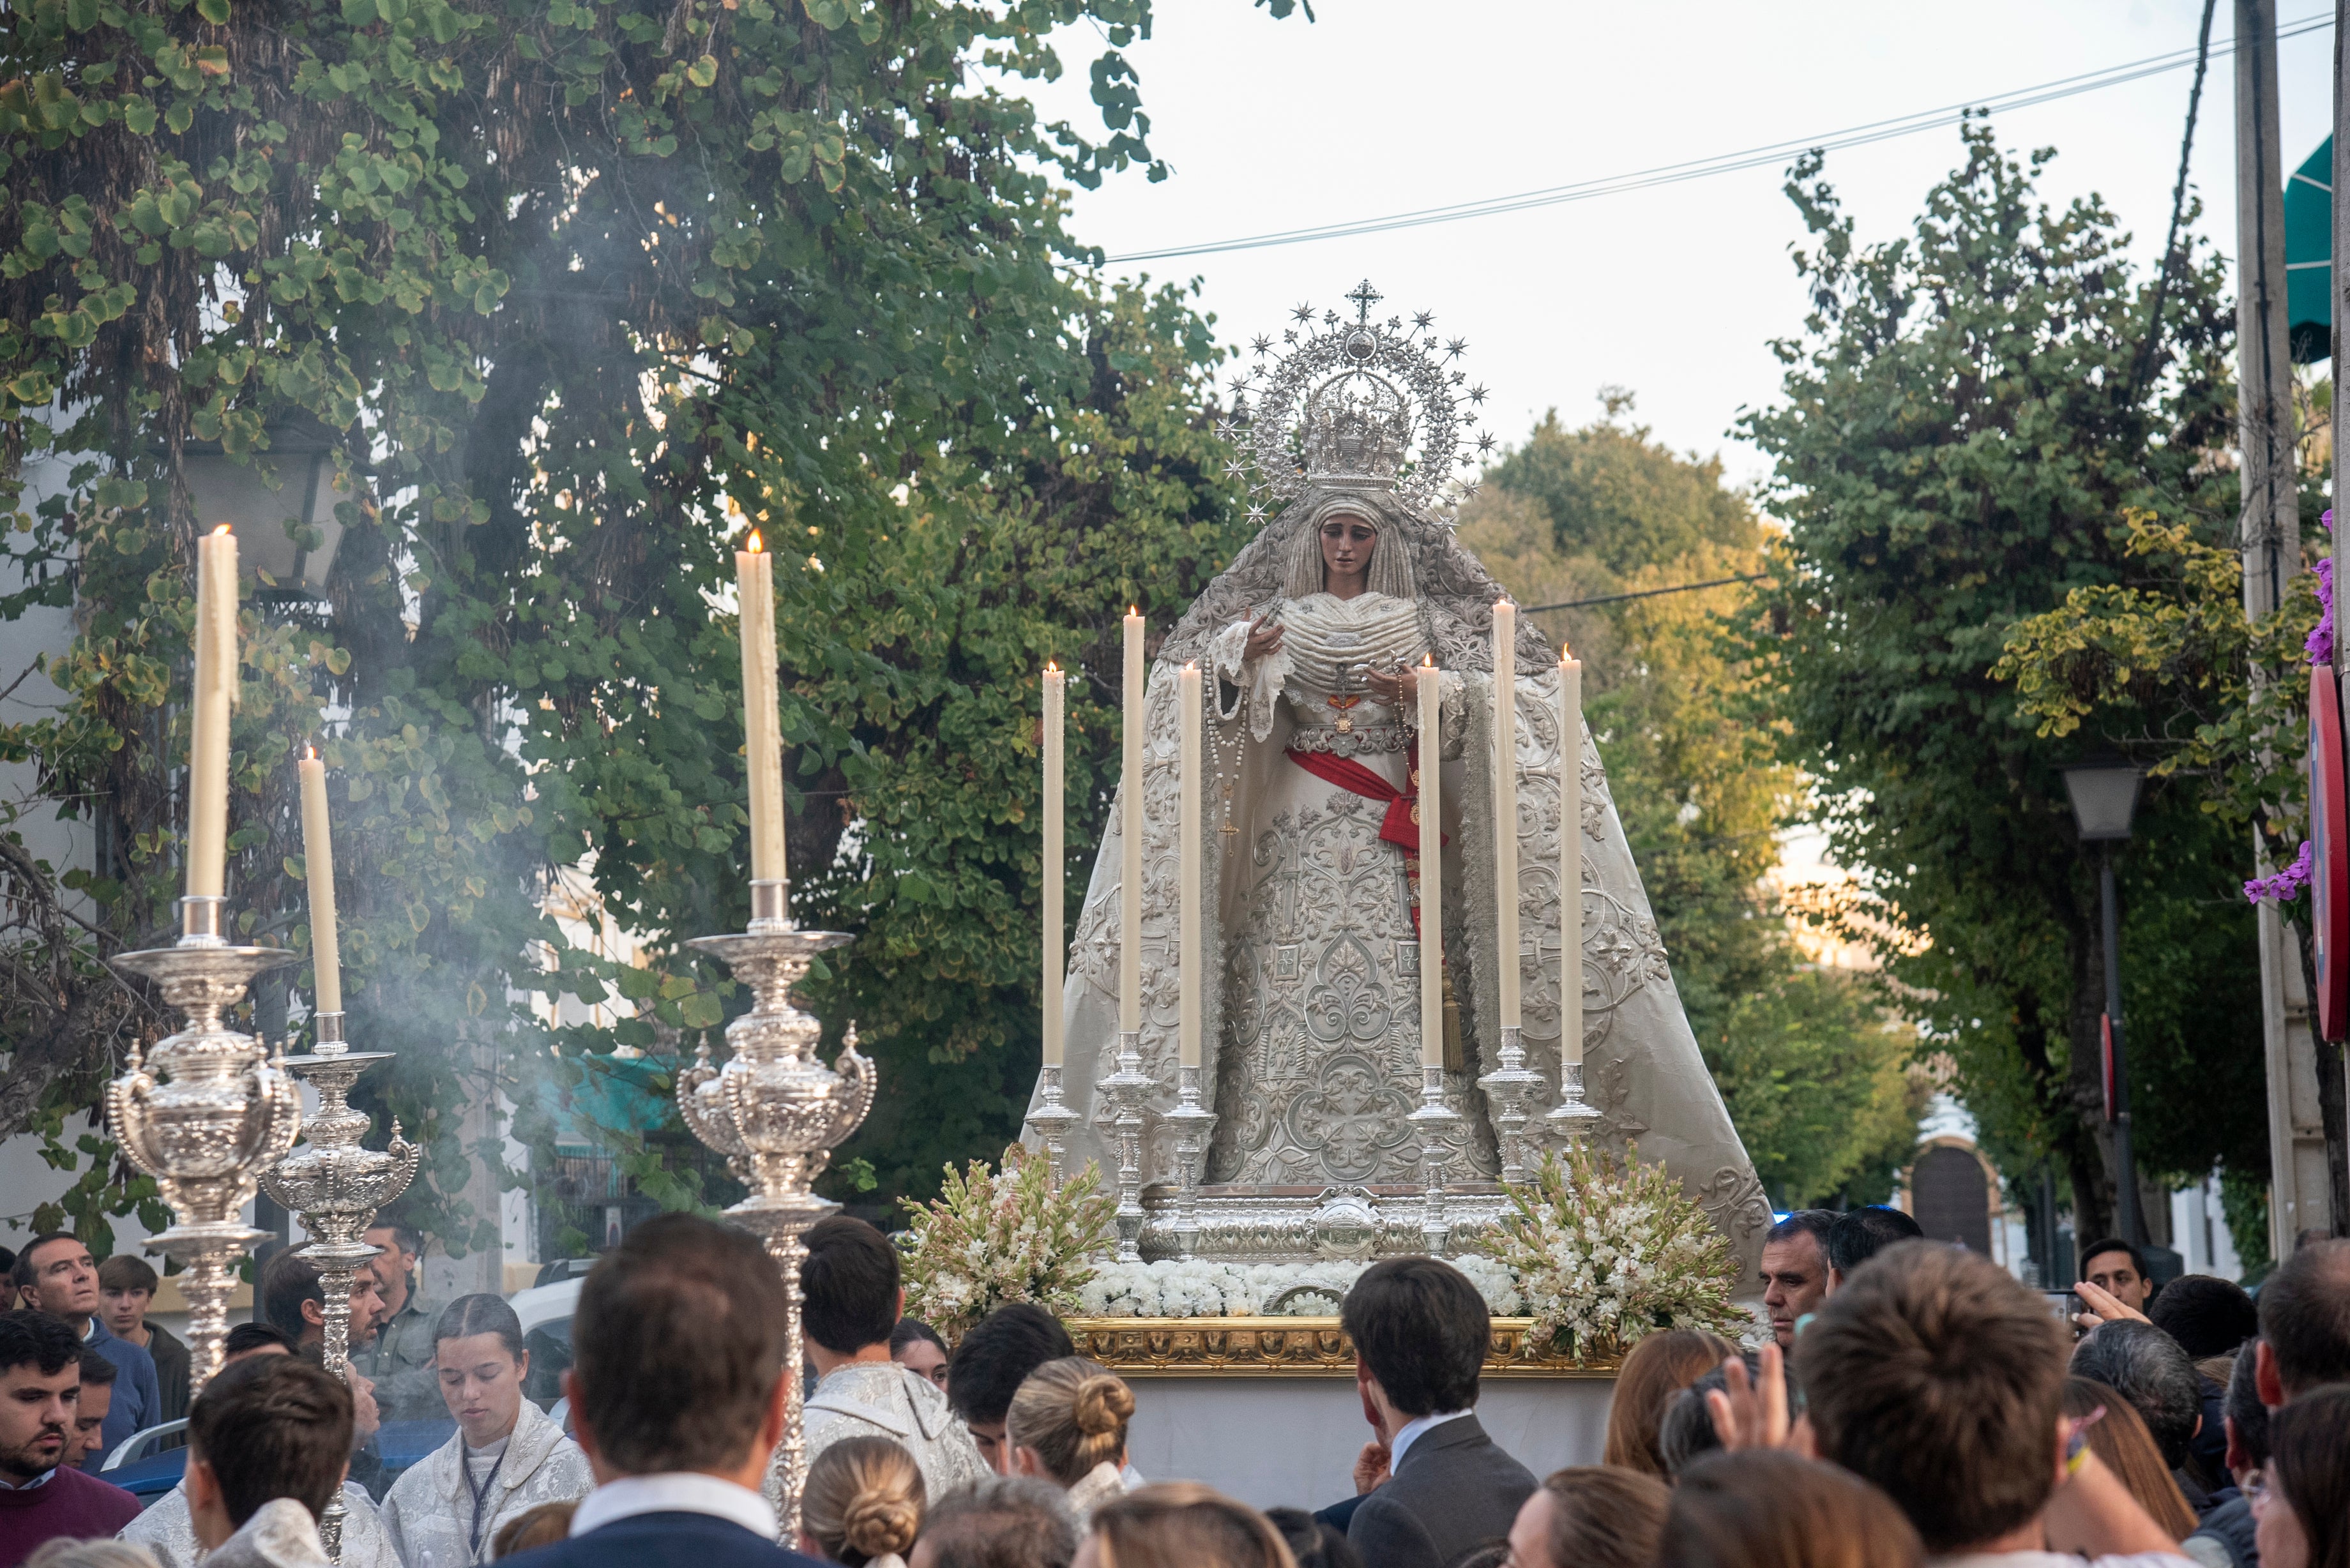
(1573, 1117)
(1438, 1124)
(335, 1186)
(1050, 1122)
(1193, 1122)
(1128, 1089)
(1511, 1090)
(204, 1114)
(777, 1113)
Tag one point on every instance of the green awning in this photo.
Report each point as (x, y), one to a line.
(2309, 256)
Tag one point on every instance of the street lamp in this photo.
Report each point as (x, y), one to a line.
(293, 481)
(2105, 798)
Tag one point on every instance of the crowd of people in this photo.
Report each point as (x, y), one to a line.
(1906, 1401)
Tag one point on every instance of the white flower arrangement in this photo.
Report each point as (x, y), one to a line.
(1607, 1252)
(1199, 1289)
(993, 1237)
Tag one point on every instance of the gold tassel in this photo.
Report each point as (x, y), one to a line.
(1456, 1055)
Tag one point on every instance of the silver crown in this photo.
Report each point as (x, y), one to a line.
(1362, 403)
(1358, 427)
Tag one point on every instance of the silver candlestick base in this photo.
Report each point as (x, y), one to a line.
(335, 1186)
(1573, 1117)
(1438, 1125)
(1128, 1089)
(1511, 1090)
(776, 1113)
(1050, 1122)
(204, 1114)
(1193, 1124)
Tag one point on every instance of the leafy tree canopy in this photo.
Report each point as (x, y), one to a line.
(581, 292)
(1961, 437)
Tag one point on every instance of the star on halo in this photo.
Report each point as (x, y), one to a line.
(1261, 344)
(1458, 347)
(1423, 318)
(1301, 313)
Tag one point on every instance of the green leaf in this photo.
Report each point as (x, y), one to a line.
(703, 71)
(214, 11)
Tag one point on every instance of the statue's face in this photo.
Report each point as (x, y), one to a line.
(1347, 542)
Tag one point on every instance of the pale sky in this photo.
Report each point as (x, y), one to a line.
(1381, 106)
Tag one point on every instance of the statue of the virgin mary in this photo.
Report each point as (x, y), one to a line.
(1312, 645)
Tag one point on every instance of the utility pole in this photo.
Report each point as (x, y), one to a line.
(2270, 535)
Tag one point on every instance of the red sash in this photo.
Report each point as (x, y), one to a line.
(1401, 827)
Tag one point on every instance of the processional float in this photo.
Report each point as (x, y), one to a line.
(1359, 405)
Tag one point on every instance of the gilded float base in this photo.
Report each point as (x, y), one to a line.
(1285, 1347)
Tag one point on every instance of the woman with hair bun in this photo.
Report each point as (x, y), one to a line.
(862, 1504)
(1067, 1424)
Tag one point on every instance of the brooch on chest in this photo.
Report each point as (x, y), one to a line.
(1345, 704)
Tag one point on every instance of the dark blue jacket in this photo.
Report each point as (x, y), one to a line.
(138, 1396)
(666, 1540)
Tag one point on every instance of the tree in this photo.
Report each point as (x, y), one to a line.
(582, 290)
(1692, 770)
(1959, 437)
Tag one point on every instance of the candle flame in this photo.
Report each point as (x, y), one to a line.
(1132, 611)
(311, 753)
(1050, 667)
(1429, 662)
(221, 530)
(755, 544)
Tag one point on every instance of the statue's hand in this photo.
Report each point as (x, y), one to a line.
(1396, 688)
(1263, 640)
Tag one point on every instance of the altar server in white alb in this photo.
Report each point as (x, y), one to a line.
(505, 1457)
(168, 1529)
(851, 1301)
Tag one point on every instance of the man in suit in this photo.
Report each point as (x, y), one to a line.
(1421, 1332)
(677, 1394)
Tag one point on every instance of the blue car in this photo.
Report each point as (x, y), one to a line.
(147, 1471)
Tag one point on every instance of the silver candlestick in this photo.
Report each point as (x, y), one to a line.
(204, 1114)
(1193, 1122)
(1438, 1125)
(776, 1113)
(1050, 1121)
(1128, 1089)
(335, 1186)
(1573, 1117)
(1511, 1089)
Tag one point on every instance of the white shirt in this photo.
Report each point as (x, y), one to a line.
(676, 1491)
(1412, 1431)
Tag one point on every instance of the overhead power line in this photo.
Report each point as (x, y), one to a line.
(1732, 163)
(1647, 593)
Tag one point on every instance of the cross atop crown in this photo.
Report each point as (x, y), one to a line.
(1365, 296)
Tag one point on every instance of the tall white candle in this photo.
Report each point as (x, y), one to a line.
(1056, 696)
(1129, 891)
(1570, 840)
(319, 861)
(1432, 877)
(1187, 942)
(1505, 804)
(216, 691)
(763, 741)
